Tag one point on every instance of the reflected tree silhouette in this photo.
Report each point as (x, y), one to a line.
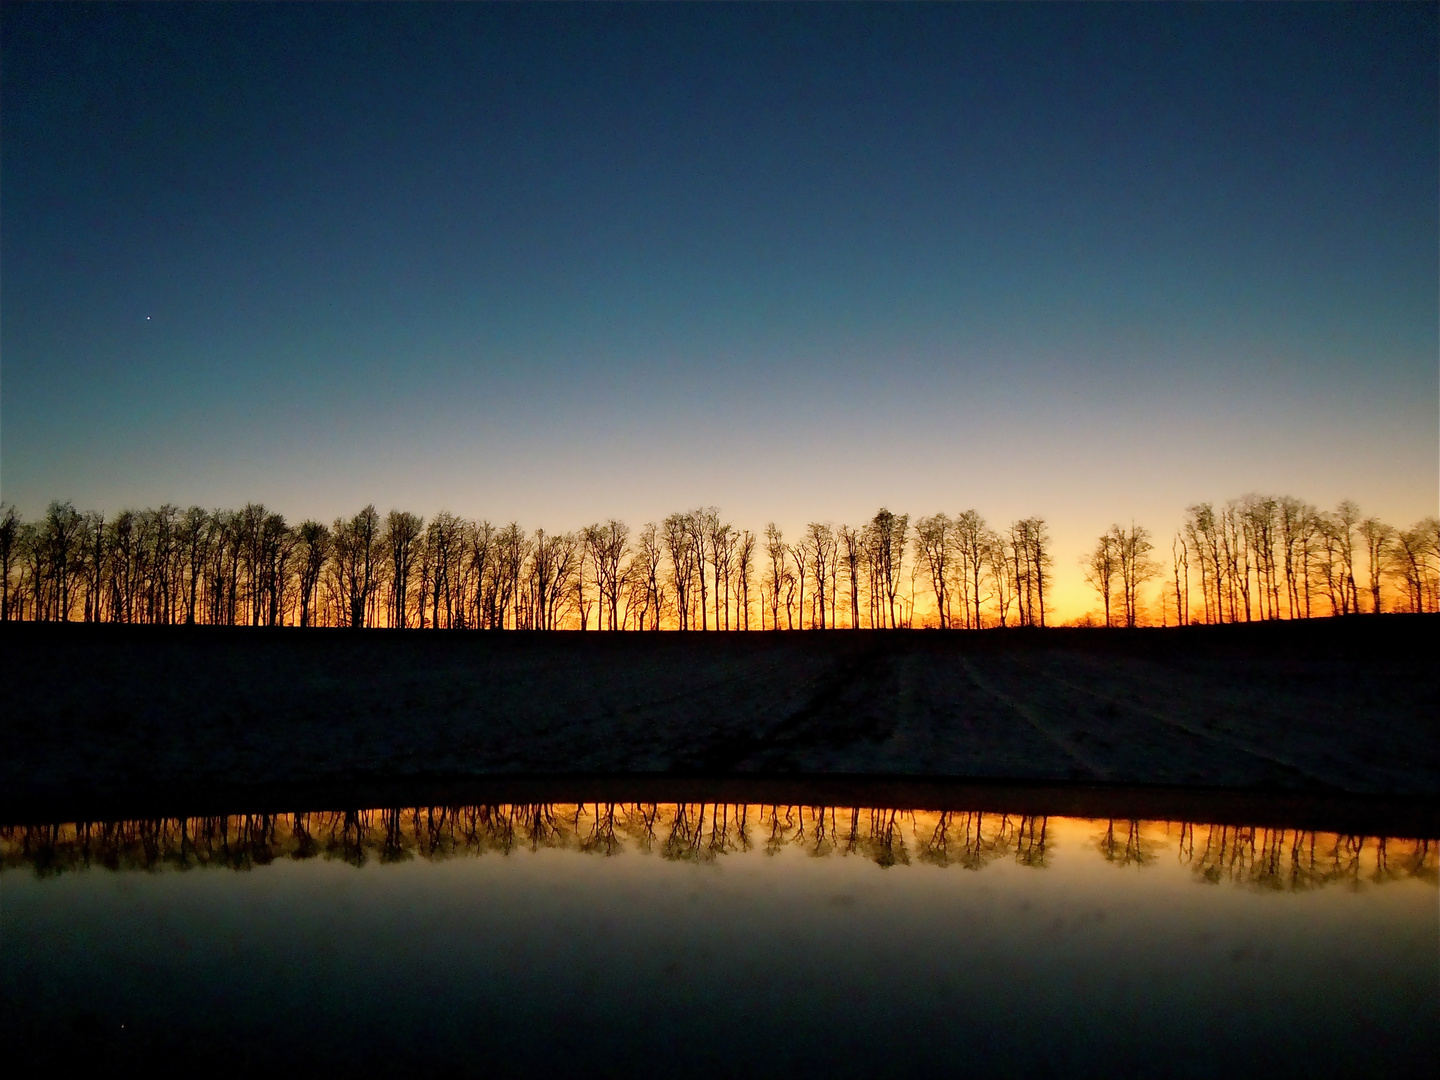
(687, 839)
(1285, 860)
(1133, 850)
(975, 839)
(1032, 845)
(886, 843)
(1297, 860)
(600, 838)
(823, 832)
(394, 848)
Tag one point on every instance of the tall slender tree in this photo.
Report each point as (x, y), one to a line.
(934, 541)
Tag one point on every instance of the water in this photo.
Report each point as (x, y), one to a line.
(719, 940)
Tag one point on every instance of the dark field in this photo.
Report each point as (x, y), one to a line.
(133, 720)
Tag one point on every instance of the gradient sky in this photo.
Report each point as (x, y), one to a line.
(560, 263)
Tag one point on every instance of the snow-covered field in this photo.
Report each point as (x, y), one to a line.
(99, 715)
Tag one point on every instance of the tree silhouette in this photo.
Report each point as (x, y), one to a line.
(645, 573)
(403, 531)
(355, 546)
(314, 539)
(886, 535)
(934, 540)
(777, 553)
(1100, 568)
(1257, 557)
(1342, 523)
(974, 547)
(9, 536)
(1136, 567)
(1409, 559)
(702, 524)
(744, 568)
(1179, 558)
(797, 579)
(1378, 538)
(1030, 560)
(680, 547)
(821, 550)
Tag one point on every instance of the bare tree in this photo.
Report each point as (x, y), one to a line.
(821, 550)
(356, 544)
(31, 586)
(1296, 526)
(554, 561)
(1378, 537)
(277, 549)
(703, 524)
(61, 533)
(160, 593)
(314, 539)
(1135, 565)
(606, 545)
(193, 534)
(589, 541)
(744, 567)
(778, 552)
(649, 557)
(722, 544)
(1031, 559)
(446, 539)
(1100, 568)
(1410, 555)
(887, 532)
(512, 548)
(997, 559)
(1179, 559)
(484, 578)
(852, 551)
(1202, 531)
(1260, 526)
(1346, 517)
(94, 557)
(9, 535)
(798, 557)
(934, 539)
(973, 541)
(1329, 563)
(679, 537)
(1236, 557)
(402, 541)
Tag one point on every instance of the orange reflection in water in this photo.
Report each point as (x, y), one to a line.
(1268, 858)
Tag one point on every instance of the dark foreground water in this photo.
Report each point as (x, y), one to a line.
(682, 940)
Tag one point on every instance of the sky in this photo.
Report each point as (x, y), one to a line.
(562, 263)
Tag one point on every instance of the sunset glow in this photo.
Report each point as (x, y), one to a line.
(798, 264)
(1022, 421)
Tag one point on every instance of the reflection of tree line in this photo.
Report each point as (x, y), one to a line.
(1292, 860)
(1281, 859)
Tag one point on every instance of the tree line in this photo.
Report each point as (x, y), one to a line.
(691, 571)
(1264, 557)
(1252, 558)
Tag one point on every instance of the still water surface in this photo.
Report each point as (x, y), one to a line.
(724, 940)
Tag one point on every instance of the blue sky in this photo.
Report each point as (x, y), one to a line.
(557, 263)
